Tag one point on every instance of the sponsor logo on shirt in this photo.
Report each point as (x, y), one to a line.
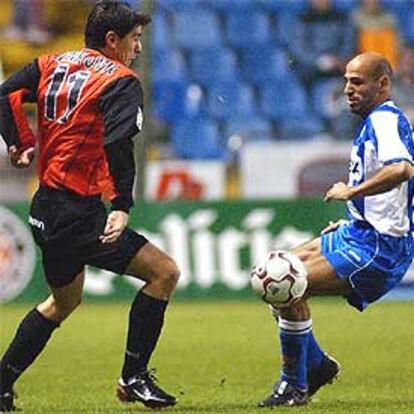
(140, 119)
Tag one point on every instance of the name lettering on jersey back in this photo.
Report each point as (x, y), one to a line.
(98, 63)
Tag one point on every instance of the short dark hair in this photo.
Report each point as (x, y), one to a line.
(111, 15)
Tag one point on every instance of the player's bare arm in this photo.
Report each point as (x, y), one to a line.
(388, 178)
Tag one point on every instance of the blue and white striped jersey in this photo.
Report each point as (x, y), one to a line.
(385, 137)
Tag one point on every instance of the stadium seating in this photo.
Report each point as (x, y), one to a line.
(325, 95)
(175, 100)
(300, 126)
(230, 99)
(406, 19)
(168, 64)
(229, 5)
(345, 5)
(247, 27)
(255, 128)
(212, 65)
(285, 23)
(284, 5)
(162, 37)
(196, 28)
(264, 63)
(178, 5)
(197, 139)
(281, 99)
(226, 63)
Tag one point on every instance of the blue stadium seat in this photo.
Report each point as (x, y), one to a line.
(346, 5)
(230, 99)
(285, 25)
(262, 64)
(405, 17)
(178, 5)
(196, 28)
(197, 139)
(247, 27)
(281, 98)
(167, 64)
(173, 101)
(230, 5)
(255, 128)
(161, 34)
(214, 64)
(284, 5)
(300, 127)
(323, 96)
(397, 6)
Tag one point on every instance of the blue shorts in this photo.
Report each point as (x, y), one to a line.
(373, 263)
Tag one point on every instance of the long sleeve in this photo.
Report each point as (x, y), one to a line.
(19, 88)
(122, 105)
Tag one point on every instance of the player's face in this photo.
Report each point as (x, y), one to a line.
(129, 47)
(360, 88)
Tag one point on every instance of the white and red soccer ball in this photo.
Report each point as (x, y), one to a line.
(281, 280)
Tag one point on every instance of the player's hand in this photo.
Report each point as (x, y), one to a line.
(333, 225)
(339, 191)
(115, 225)
(21, 158)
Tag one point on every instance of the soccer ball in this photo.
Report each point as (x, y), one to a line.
(280, 280)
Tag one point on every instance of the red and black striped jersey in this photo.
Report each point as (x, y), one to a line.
(89, 108)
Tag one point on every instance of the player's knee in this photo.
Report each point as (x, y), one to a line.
(308, 251)
(168, 273)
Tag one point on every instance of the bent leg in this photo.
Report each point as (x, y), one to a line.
(63, 300)
(322, 279)
(302, 355)
(157, 268)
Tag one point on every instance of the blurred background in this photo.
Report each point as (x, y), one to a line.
(246, 125)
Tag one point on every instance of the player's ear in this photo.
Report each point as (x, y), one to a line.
(384, 81)
(110, 39)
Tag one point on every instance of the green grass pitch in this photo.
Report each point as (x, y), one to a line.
(221, 357)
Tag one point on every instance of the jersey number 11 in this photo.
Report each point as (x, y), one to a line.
(69, 87)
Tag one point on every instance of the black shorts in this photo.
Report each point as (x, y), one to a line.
(67, 227)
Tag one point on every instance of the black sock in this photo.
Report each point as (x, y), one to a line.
(146, 318)
(31, 337)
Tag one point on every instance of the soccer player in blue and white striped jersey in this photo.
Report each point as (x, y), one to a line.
(364, 258)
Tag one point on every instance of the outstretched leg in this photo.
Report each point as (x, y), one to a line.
(33, 334)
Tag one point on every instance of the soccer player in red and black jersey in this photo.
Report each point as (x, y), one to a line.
(90, 106)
